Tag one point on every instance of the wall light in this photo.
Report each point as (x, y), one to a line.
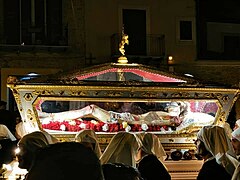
(170, 59)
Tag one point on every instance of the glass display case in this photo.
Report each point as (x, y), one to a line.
(122, 97)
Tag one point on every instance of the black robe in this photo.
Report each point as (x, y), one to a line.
(152, 169)
(212, 170)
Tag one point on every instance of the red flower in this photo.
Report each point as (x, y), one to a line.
(116, 127)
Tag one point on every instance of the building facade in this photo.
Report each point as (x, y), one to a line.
(48, 36)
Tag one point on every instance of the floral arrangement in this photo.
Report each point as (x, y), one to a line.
(98, 126)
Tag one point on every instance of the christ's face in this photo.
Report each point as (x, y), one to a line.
(236, 126)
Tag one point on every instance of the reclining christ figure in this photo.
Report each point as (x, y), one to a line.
(177, 114)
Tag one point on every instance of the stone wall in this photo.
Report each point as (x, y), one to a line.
(43, 60)
(223, 74)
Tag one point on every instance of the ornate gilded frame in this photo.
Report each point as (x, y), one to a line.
(27, 95)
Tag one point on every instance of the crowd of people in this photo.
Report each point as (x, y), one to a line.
(8, 138)
(130, 156)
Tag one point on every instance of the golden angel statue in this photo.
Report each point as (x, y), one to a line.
(122, 43)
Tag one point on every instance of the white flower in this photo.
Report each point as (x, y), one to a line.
(144, 127)
(163, 130)
(73, 123)
(63, 127)
(128, 128)
(82, 126)
(105, 127)
(94, 122)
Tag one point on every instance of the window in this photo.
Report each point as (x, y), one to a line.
(185, 30)
(34, 22)
(222, 41)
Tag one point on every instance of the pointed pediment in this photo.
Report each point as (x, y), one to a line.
(113, 74)
(125, 72)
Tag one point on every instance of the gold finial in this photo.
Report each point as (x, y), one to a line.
(122, 58)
